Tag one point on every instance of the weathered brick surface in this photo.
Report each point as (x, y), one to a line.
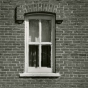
(71, 46)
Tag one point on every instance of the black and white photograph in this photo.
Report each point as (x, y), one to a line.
(43, 43)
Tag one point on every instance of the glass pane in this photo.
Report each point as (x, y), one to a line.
(46, 56)
(34, 30)
(46, 30)
(33, 55)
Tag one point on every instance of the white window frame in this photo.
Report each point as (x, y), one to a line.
(41, 71)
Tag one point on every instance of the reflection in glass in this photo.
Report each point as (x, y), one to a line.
(46, 56)
(33, 56)
(46, 30)
(33, 30)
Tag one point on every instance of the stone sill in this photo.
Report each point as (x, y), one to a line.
(39, 74)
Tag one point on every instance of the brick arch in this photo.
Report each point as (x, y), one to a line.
(44, 7)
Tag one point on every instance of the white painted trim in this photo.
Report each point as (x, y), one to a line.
(42, 43)
(40, 17)
(40, 29)
(51, 45)
(39, 70)
(26, 46)
(39, 74)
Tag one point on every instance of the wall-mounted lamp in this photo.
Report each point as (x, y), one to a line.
(15, 16)
(58, 0)
(58, 21)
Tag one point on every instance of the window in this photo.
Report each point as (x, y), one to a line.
(39, 44)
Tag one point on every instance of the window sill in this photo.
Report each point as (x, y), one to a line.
(39, 75)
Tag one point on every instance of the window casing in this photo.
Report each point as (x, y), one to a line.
(39, 44)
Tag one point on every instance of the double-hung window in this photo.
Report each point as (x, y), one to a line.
(39, 43)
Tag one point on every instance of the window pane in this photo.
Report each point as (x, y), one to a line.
(46, 30)
(33, 30)
(33, 55)
(46, 56)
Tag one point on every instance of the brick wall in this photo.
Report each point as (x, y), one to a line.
(71, 46)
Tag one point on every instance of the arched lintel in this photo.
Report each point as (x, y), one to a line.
(35, 9)
(45, 13)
